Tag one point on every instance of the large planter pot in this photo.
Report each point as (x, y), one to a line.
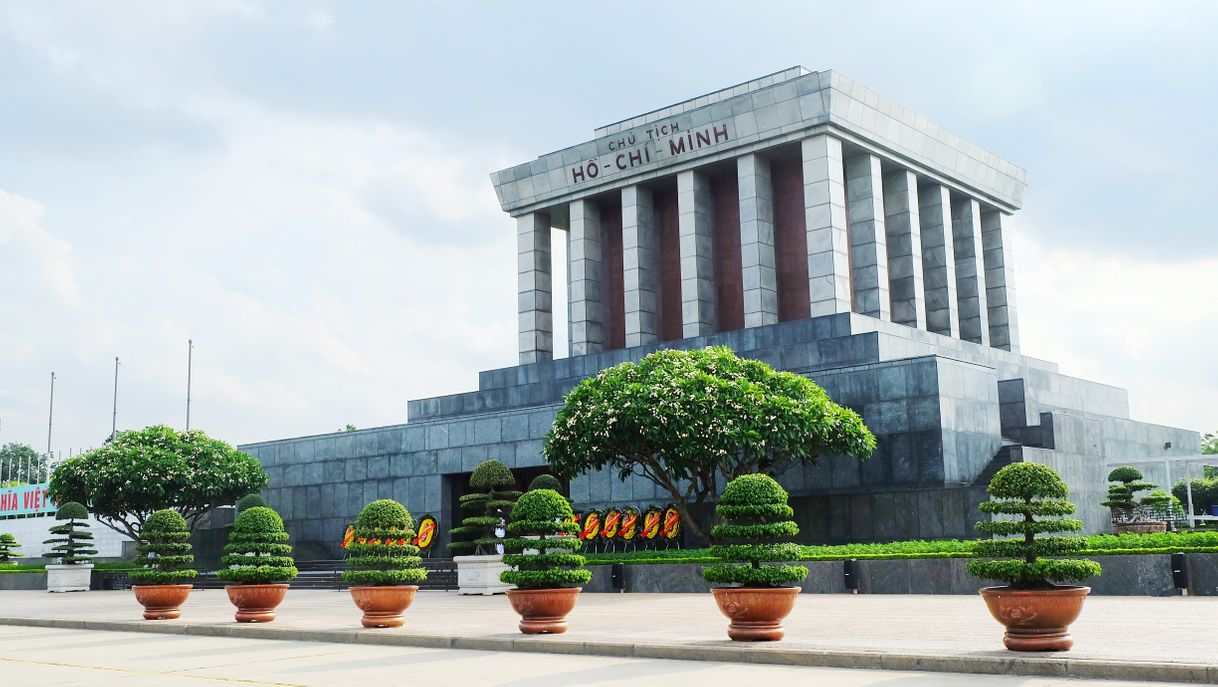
(162, 601)
(755, 613)
(383, 606)
(256, 603)
(480, 574)
(543, 611)
(69, 578)
(1036, 619)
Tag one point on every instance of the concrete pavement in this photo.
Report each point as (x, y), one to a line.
(1137, 638)
(39, 656)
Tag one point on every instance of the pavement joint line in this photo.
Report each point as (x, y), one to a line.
(1029, 666)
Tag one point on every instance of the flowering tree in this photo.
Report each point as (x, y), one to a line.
(684, 419)
(141, 471)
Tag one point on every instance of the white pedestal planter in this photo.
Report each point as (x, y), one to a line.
(480, 574)
(69, 578)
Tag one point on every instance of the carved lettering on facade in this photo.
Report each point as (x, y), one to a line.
(664, 141)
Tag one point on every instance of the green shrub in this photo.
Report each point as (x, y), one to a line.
(1124, 483)
(250, 501)
(383, 553)
(485, 509)
(546, 481)
(1205, 494)
(165, 552)
(754, 522)
(543, 513)
(1037, 494)
(9, 548)
(257, 551)
(72, 539)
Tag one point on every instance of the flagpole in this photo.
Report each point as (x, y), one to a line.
(114, 415)
(50, 419)
(190, 351)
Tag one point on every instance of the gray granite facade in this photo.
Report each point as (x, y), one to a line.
(899, 257)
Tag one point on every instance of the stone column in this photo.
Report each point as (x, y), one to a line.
(640, 267)
(868, 239)
(999, 282)
(585, 262)
(938, 259)
(825, 221)
(902, 223)
(535, 300)
(757, 241)
(694, 207)
(970, 274)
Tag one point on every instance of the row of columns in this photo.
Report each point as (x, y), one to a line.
(881, 241)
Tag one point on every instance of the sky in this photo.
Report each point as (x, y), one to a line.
(302, 188)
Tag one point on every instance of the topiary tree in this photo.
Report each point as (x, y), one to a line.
(485, 509)
(250, 501)
(140, 471)
(9, 548)
(1124, 483)
(546, 481)
(73, 538)
(543, 513)
(755, 522)
(686, 419)
(1160, 504)
(383, 553)
(257, 551)
(164, 550)
(1039, 496)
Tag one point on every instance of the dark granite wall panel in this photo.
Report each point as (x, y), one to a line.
(666, 218)
(790, 240)
(615, 306)
(729, 279)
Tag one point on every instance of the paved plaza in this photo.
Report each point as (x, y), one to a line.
(40, 656)
(1132, 638)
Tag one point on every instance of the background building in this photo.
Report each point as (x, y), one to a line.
(800, 219)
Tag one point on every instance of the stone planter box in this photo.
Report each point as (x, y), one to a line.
(480, 574)
(69, 578)
(1148, 575)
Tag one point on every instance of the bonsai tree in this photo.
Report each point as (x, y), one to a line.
(485, 509)
(1161, 504)
(250, 501)
(9, 548)
(1124, 483)
(140, 471)
(755, 527)
(1037, 496)
(386, 557)
(686, 419)
(546, 481)
(164, 550)
(257, 551)
(73, 538)
(550, 563)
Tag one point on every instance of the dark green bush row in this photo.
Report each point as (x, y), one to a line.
(1096, 545)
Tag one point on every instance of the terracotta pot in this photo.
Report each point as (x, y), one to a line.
(256, 602)
(755, 613)
(1036, 619)
(543, 611)
(383, 606)
(162, 601)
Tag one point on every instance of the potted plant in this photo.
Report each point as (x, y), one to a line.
(1036, 612)
(1163, 507)
(1124, 483)
(9, 548)
(753, 529)
(162, 584)
(384, 562)
(487, 508)
(71, 548)
(546, 573)
(259, 560)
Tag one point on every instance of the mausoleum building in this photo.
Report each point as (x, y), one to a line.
(801, 219)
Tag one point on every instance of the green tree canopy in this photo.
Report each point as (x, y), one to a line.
(141, 471)
(685, 419)
(21, 463)
(1209, 443)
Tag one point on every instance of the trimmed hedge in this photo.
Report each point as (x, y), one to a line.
(165, 552)
(485, 509)
(543, 513)
(383, 553)
(257, 551)
(754, 513)
(72, 539)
